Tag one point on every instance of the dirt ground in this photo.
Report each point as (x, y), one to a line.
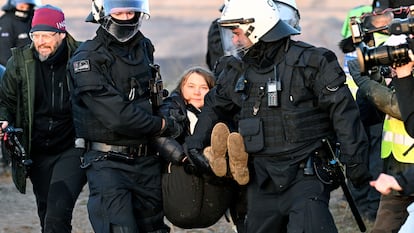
(178, 29)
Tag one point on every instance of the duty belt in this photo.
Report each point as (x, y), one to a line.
(129, 151)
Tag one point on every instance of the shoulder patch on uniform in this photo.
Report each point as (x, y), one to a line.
(81, 66)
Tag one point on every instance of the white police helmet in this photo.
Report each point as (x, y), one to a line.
(289, 12)
(32, 2)
(123, 31)
(258, 21)
(97, 12)
(11, 4)
(114, 6)
(291, 3)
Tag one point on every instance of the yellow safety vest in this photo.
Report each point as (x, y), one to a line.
(395, 140)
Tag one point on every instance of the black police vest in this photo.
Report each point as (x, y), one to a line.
(132, 80)
(296, 121)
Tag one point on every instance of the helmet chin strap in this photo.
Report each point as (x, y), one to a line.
(240, 52)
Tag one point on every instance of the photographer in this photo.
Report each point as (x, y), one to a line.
(366, 197)
(404, 85)
(398, 168)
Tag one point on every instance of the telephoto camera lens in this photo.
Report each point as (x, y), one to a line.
(382, 55)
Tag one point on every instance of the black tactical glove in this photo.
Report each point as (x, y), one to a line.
(172, 128)
(169, 149)
(190, 168)
(410, 42)
(200, 162)
(358, 174)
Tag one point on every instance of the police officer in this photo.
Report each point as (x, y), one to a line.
(15, 25)
(288, 96)
(288, 11)
(396, 146)
(113, 113)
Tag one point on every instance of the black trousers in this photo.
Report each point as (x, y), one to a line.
(57, 182)
(302, 207)
(238, 208)
(125, 197)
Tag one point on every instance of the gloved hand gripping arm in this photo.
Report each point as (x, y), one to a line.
(172, 125)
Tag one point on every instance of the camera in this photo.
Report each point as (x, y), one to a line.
(401, 26)
(393, 56)
(385, 55)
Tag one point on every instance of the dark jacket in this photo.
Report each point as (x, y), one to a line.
(397, 104)
(404, 90)
(174, 105)
(14, 32)
(173, 149)
(317, 82)
(190, 200)
(17, 89)
(111, 90)
(224, 101)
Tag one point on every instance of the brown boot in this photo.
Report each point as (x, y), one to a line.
(238, 158)
(216, 153)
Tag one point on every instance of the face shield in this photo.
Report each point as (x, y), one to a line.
(235, 37)
(243, 24)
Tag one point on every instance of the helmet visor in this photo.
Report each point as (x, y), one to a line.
(235, 36)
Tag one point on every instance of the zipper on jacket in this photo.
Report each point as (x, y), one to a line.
(53, 87)
(50, 124)
(61, 95)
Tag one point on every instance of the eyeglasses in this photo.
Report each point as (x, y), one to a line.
(46, 37)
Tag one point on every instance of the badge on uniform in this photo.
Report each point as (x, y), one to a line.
(81, 66)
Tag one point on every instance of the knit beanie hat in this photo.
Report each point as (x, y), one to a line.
(48, 18)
